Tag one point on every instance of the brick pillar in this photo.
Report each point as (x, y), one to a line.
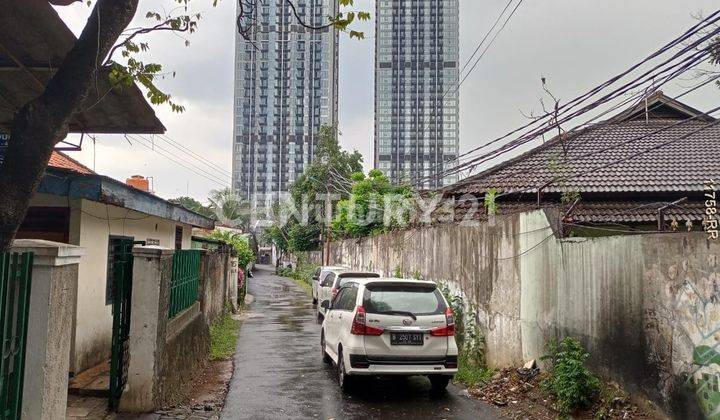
(53, 292)
(152, 271)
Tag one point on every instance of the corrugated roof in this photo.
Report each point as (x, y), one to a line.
(676, 156)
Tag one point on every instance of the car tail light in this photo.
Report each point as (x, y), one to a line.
(449, 329)
(359, 325)
(334, 292)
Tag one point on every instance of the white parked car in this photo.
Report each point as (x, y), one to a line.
(319, 275)
(385, 326)
(334, 279)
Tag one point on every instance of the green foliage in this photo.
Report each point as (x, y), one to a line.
(490, 205)
(343, 20)
(470, 372)
(229, 208)
(329, 173)
(375, 206)
(472, 367)
(240, 242)
(223, 337)
(194, 205)
(303, 238)
(131, 67)
(302, 275)
(570, 381)
(277, 235)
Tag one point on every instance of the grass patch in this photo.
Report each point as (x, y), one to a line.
(223, 337)
(470, 373)
(302, 275)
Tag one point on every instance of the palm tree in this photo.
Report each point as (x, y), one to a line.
(230, 209)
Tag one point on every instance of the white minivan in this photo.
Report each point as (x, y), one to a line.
(331, 283)
(387, 326)
(319, 275)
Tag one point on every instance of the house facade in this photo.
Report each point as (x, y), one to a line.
(77, 206)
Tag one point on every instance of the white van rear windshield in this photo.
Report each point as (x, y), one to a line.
(379, 299)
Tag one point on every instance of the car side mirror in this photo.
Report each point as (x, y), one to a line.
(325, 304)
(315, 278)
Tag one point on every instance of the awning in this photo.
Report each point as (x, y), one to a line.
(33, 43)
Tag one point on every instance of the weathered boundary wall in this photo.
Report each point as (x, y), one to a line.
(165, 354)
(647, 307)
(309, 257)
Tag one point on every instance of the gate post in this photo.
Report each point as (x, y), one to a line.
(152, 271)
(53, 292)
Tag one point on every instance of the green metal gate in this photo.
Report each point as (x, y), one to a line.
(185, 282)
(122, 268)
(15, 279)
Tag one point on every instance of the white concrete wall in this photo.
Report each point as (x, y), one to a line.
(93, 325)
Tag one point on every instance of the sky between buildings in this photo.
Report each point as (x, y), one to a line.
(574, 44)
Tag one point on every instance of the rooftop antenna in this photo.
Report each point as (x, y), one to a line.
(647, 111)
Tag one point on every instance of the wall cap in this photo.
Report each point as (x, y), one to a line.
(49, 253)
(152, 251)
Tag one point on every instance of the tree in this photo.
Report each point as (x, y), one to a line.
(329, 174)
(240, 243)
(194, 205)
(278, 235)
(247, 12)
(375, 206)
(230, 209)
(41, 123)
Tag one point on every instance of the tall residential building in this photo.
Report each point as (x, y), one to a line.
(286, 83)
(416, 77)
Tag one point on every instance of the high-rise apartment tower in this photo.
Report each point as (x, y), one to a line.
(416, 96)
(286, 83)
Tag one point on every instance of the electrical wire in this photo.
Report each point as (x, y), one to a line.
(562, 109)
(151, 148)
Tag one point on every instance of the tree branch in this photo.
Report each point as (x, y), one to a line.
(40, 124)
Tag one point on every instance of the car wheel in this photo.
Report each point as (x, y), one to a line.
(325, 357)
(438, 383)
(344, 380)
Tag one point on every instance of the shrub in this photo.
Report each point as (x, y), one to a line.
(570, 381)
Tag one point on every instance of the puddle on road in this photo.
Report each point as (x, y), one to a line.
(292, 322)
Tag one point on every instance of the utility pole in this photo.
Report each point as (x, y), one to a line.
(328, 211)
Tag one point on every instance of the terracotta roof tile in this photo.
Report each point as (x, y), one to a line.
(662, 154)
(62, 161)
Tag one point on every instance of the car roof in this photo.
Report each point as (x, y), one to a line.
(359, 274)
(334, 269)
(394, 280)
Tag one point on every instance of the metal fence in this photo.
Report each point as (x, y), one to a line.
(185, 281)
(15, 279)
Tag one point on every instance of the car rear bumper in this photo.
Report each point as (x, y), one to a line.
(402, 365)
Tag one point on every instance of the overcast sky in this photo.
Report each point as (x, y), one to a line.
(575, 44)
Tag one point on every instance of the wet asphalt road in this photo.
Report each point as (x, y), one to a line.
(279, 372)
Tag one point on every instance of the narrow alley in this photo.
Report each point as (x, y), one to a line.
(279, 373)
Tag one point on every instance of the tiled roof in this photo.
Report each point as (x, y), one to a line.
(674, 156)
(62, 161)
(624, 212)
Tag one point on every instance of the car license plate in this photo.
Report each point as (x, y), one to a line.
(406, 339)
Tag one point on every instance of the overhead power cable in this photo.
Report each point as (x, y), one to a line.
(647, 77)
(149, 145)
(564, 108)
